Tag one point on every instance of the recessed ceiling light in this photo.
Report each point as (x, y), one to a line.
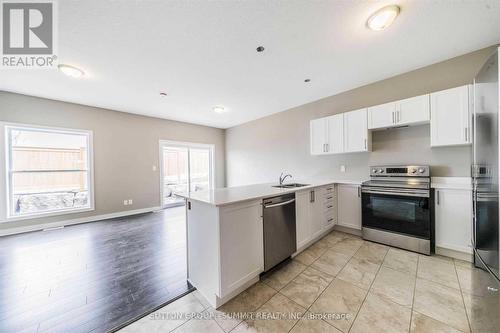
(383, 17)
(260, 49)
(71, 70)
(219, 109)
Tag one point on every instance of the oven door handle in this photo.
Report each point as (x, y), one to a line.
(407, 193)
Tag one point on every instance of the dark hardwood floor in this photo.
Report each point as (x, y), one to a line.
(92, 277)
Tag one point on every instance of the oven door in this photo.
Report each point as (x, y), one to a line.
(405, 211)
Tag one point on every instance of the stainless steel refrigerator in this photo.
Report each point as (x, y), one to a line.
(481, 286)
(486, 167)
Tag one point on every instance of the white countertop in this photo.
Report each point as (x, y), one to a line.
(452, 183)
(230, 195)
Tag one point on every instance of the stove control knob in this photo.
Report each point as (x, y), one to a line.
(380, 170)
(421, 170)
(413, 171)
(374, 170)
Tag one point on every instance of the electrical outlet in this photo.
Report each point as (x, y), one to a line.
(154, 167)
(125, 202)
(342, 168)
(130, 201)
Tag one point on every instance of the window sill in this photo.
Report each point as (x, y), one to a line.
(48, 214)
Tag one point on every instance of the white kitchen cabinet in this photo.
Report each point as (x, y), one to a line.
(381, 116)
(329, 198)
(316, 212)
(335, 125)
(225, 248)
(242, 245)
(341, 133)
(349, 206)
(451, 117)
(319, 136)
(356, 136)
(413, 111)
(453, 219)
(410, 111)
(302, 218)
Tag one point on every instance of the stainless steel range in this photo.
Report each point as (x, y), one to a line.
(397, 207)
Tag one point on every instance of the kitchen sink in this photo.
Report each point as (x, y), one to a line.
(291, 185)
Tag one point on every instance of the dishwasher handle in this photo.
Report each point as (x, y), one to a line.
(280, 204)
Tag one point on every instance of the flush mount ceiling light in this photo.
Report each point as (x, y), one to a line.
(71, 71)
(383, 17)
(219, 109)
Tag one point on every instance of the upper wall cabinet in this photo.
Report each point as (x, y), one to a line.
(341, 133)
(410, 111)
(382, 116)
(327, 135)
(319, 136)
(356, 136)
(414, 110)
(335, 126)
(450, 117)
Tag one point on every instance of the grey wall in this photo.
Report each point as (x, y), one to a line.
(126, 147)
(259, 150)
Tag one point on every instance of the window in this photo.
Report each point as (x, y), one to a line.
(185, 167)
(49, 171)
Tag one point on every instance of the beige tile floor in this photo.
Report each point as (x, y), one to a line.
(344, 284)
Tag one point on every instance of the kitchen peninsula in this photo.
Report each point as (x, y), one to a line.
(225, 230)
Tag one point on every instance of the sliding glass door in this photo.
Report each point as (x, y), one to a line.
(185, 167)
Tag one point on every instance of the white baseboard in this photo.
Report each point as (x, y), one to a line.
(42, 226)
(348, 230)
(453, 253)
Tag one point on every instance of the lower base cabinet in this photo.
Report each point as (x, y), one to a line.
(349, 206)
(453, 219)
(316, 212)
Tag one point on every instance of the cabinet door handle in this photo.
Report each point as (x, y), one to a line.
(327, 147)
(365, 144)
(437, 197)
(359, 191)
(393, 121)
(399, 117)
(466, 134)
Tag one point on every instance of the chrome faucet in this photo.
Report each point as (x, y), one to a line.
(283, 177)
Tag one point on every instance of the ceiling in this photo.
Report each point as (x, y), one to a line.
(203, 53)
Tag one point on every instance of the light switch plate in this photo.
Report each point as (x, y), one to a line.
(342, 168)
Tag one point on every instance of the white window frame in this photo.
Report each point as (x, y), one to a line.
(5, 150)
(188, 145)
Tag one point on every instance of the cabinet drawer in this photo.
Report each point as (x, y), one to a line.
(330, 219)
(329, 196)
(329, 189)
(329, 204)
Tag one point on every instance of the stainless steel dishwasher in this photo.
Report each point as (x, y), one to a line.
(280, 238)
